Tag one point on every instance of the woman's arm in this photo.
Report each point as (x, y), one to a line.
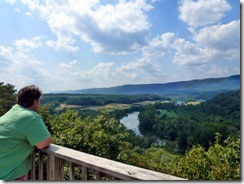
(44, 144)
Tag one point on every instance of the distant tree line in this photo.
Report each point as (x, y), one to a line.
(98, 99)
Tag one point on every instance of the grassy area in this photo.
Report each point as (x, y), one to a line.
(194, 103)
(170, 114)
(109, 107)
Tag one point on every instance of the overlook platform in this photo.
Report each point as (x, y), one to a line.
(60, 163)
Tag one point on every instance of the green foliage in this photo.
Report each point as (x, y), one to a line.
(160, 160)
(220, 162)
(66, 129)
(130, 156)
(146, 119)
(98, 99)
(101, 136)
(7, 97)
(226, 105)
(192, 125)
(170, 114)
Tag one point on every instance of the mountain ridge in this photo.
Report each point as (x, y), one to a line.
(191, 86)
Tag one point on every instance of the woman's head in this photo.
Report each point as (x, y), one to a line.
(28, 95)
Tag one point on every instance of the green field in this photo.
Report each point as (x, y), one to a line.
(170, 114)
(121, 106)
(109, 107)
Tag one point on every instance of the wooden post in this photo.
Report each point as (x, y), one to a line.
(50, 167)
(55, 168)
(40, 165)
(59, 167)
(33, 165)
(71, 171)
(83, 173)
(98, 175)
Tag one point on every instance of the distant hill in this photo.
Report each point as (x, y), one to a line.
(186, 87)
(226, 105)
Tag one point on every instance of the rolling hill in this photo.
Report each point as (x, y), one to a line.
(210, 85)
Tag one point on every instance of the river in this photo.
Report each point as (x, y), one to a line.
(131, 122)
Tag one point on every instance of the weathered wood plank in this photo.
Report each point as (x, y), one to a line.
(33, 165)
(59, 167)
(103, 165)
(98, 175)
(83, 173)
(40, 165)
(51, 167)
(71, 171)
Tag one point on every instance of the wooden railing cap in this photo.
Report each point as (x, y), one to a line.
(103, 165)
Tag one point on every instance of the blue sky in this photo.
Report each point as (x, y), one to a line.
(80, 44)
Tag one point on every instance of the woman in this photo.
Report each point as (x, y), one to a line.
(21, 130)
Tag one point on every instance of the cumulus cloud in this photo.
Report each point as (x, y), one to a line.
(118, 28)
(71, 65)
(210, 44)
(64, 41)
(25, 45)
(20, 67)
(142, 70)
(5, 51)
(223, 38)
(202, 12)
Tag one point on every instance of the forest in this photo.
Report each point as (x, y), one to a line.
(200, 142)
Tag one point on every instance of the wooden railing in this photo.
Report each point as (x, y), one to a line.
(60, 163)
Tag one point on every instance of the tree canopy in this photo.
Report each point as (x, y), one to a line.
(7, 97)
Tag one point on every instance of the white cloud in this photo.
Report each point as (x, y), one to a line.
(118, 28)
(71, 65)
(5, 51)
(25, 45)
(212, 43)
(209, 44)
(64, 41)
(142, 70)
(21, 67)
(208, 70)
(28, 14)
(125, 16)
(202, 12)
(100, 72)
(176, 50)
(223, 39)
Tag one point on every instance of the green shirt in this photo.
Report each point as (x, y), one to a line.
(20, 130)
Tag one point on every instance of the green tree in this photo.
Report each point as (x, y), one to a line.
(219, 162)
(160, 160)
(146, 120)
(101, 136)
(7, 97)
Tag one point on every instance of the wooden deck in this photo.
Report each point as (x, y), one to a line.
(60, 163)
